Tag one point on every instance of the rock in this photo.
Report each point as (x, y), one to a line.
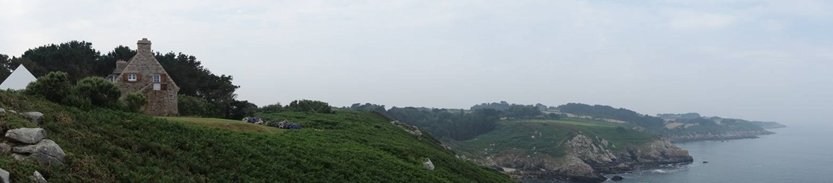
(617, 178)
(428, 164)
(4, 176)
(26, 135)
(579, 171)
(46, 152)
(28, 149)
(586, 149)
(33, 116)
(13, 112)
(37, 177)
(2, 110)
(18, 157)
(5, 148)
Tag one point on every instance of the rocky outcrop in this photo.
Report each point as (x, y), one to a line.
(26, 135)
(413, 130)
(587, 158)
(31, 144)
(428, 164)
(586, 149)
(577, 169)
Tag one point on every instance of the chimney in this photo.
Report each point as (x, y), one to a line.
(144, 46)
(120, 65)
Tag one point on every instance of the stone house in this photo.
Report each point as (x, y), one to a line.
(143, 74)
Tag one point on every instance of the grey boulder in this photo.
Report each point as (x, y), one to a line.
(4, 176)
(46, 152)
(428, 164)
(33, 116)
(5, 148)
(26, 135)
(37, 177)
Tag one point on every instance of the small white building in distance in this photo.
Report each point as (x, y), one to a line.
(18, 80)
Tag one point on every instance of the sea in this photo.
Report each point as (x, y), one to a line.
(796, 154)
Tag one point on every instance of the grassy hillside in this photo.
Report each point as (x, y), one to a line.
(111, 146)
(546, 136)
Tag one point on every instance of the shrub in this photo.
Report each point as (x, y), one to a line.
(193, 106)
(77, 100)
(309, 106)
(271, 108)
(54, 87)
(135, 102)
(99, 91)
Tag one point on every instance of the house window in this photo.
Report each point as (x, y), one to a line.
(131, 77)
(157, 78)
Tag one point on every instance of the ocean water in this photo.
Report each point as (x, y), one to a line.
(800, 154)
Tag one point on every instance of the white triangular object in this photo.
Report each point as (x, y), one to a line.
(18, 79)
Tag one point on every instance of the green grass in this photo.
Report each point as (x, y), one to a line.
(549, 136)
(233, 125)
(111, 146)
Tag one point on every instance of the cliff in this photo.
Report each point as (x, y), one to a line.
(570, 151)
(587, 159)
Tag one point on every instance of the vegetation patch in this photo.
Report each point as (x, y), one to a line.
(233, 125)
(104, 145)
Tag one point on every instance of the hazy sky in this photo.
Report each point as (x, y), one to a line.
(755, 59)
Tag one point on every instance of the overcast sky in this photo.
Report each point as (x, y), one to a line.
(755, 59)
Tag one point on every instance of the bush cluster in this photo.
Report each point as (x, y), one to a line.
(87, 93)
(309, 106)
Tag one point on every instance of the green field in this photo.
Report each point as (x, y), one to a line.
(547, 136)
(112, 146)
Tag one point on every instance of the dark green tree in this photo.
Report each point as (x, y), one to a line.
(240, 109)
(77, 59)
(5, 67)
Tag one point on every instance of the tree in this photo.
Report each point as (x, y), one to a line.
(240, 109)
(77, 59)
(107, 63)
(55, 87)
(5, 67)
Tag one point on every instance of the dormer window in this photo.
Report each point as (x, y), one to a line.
(131, 77)
(156, 78)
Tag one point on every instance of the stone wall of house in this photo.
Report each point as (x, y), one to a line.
(161, 102)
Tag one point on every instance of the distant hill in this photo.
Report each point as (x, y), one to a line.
(111, 146)
(676, 127)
